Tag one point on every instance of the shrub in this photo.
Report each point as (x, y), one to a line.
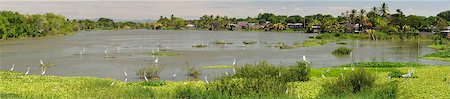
(342, 51)
(247, 87)
(388, 91)
(150, 71)
(383, 64)
(249, 42)
(152, 83)
(298, 72)
(193, 71)
(190, 90)
(396, 74)
(351, 83)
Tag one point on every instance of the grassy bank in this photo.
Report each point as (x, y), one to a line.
(273, 81)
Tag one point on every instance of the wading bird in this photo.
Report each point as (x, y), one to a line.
(106, 52)
(83, 49)
(28, 71)
(156, 60)
(328, 71)
(173, 76)
(145, 76)
(409, 74)
(42, 63)
(304, 59)
(206, 80)
(118, 50)
(12, 67)
(43, 71)
(323, 76)
(226, 73)
(114, 81)
(234, 62)
(124, 72)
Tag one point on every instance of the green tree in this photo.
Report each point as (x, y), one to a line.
(445, 15)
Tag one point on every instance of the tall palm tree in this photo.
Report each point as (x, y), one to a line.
(384, 10)
(361, 17)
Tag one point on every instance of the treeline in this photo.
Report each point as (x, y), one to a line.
(377, 19)
(16, 25)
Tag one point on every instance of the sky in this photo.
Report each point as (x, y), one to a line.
(193, 9)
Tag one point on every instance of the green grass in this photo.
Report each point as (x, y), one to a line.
(342, 51)
(164, 53)
(429, 81)
(218, 66)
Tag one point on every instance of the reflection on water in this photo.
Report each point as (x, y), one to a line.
(135, 45)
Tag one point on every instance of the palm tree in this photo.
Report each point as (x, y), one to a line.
(384, 10)
(361, 17)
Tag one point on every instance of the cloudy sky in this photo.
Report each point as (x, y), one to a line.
(192, 9)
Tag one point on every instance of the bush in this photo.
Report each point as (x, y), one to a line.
(152, 83)
(342, 51)
(263, 69)
(150, 71)
(247, 87)
(388, 91)
(351, 83)
(299, 72)
(190, 90)
(193, 71)
(396, 74)
(383, 64)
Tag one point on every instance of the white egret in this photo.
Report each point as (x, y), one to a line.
(81, 52)
(145, 76)
(12, 67)
(206, 80)
(157, 49)
(156, 60)
(323, 76)
(345, 68)
(42, 63)
(173, 76)
(226, 73)
(83, 49)
(159, 44)
(153, 52)
(124, 72)
(126, 79)
(409, 74)
(28, 71)
(43, 71)
(118, 50)
(234, 62)
(114, 81)
(106, 53)
(328, 71)
(306, 60)
(234, 70)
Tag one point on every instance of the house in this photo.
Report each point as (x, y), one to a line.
(242, 25)
(446, 32)
(316, 29)
(190, 26)
(356, 28)
(294, 25)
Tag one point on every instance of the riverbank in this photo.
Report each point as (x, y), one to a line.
(427, 81)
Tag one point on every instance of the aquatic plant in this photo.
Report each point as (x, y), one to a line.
(218, 66)
(342, 51)
(439, 55)
(193, 71)
(249, 42)
(200, 45)
(164, 53)
(383, 64)
(149, 71)
(221, 42)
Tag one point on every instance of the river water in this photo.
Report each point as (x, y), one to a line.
(131, 48)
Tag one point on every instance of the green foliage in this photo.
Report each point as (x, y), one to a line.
(350, 83)
(247, 87)
(164, 53)
(382, 64)
(396, 74)
(193, 71)
(152, 83)
(221, 42)
(149, 71)
(445, 15)
(190, 90)
(439, 55)
(342, 51)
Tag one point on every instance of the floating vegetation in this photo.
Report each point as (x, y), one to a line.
(249, 42)
(342, 51)
(439, 55)
(149, 71)
(282, 45)
(221, 42)
(218, 66)
(342, 43)
(164, 53)
(200, 45)
(312, 42)
(110, 56)
(193, 71)
(383, 64)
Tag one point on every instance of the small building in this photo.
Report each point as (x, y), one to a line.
(242, 25)
(316, 29)
(190, 26)
(356, 28)
(294, 25)
(446, 32)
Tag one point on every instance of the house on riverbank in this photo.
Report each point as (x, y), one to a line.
(446, 32)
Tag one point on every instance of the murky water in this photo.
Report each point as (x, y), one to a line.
(134, 46)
